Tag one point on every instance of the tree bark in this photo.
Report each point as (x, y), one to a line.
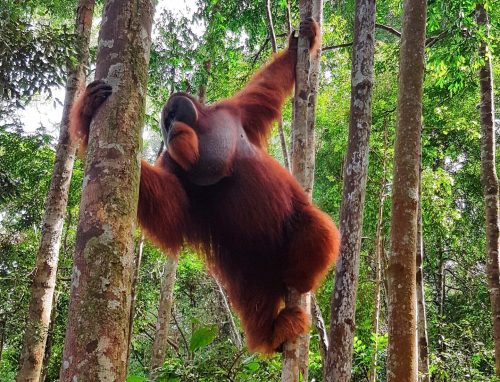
(44, 280)
(401, 273)
(133, 294)
(50, 338)
(296, 353)
(310, 165)
(423, 342)
(96, 341)
(164, 313)
(339, 358)
(489, 181)
(319, 324)
(314, 76)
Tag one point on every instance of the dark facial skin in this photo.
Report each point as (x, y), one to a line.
(179, 108)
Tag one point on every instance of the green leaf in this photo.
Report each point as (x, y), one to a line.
(253, 366)
(202, 337)
(136, 378)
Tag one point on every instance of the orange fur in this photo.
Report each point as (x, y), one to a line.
(162, 207)
(316, 41)
(261, 101)
(79, 126)
(249, 216)
(184, 148)
(312, 250)
(290, 323)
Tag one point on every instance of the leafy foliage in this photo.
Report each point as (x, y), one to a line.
(33, 56)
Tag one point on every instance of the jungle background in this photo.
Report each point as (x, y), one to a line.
(210, 49)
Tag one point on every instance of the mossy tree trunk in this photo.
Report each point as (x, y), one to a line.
(95, 347)
(339, 359)
(44, 279)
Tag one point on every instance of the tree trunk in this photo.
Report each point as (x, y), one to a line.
(3, 323)
(372, 373)
(423, 342)
(314, 76)
(50, 338)
(339, 358)
(379, 254)
(133, 294)
(164, 313)
(96, 341)
(296, 353)
(288, 17)
(234, 333)
(441, 296)
(402, 315)
(490, 181)
(319, 324)
(44, 279)
(202, 89)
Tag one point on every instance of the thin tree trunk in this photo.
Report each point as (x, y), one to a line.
(319, 324)
(96, 341)
(314, 76)
(339, 358)
(202, 90)
(3, 323)
(490, 182)
(281, 132)
(50, 338)
(284, 149)
(291, 356)
(235, 334)
(423, 342)
(44, 280)
(290, 368)
(441, 295)
(288, 17)
(402, 317)
(164, 313)
(299, 154)
(379, 253)
(310, 165)
(133, 294)
(372, 374)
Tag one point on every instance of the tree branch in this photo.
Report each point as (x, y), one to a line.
(389, 29)
(332, 47)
